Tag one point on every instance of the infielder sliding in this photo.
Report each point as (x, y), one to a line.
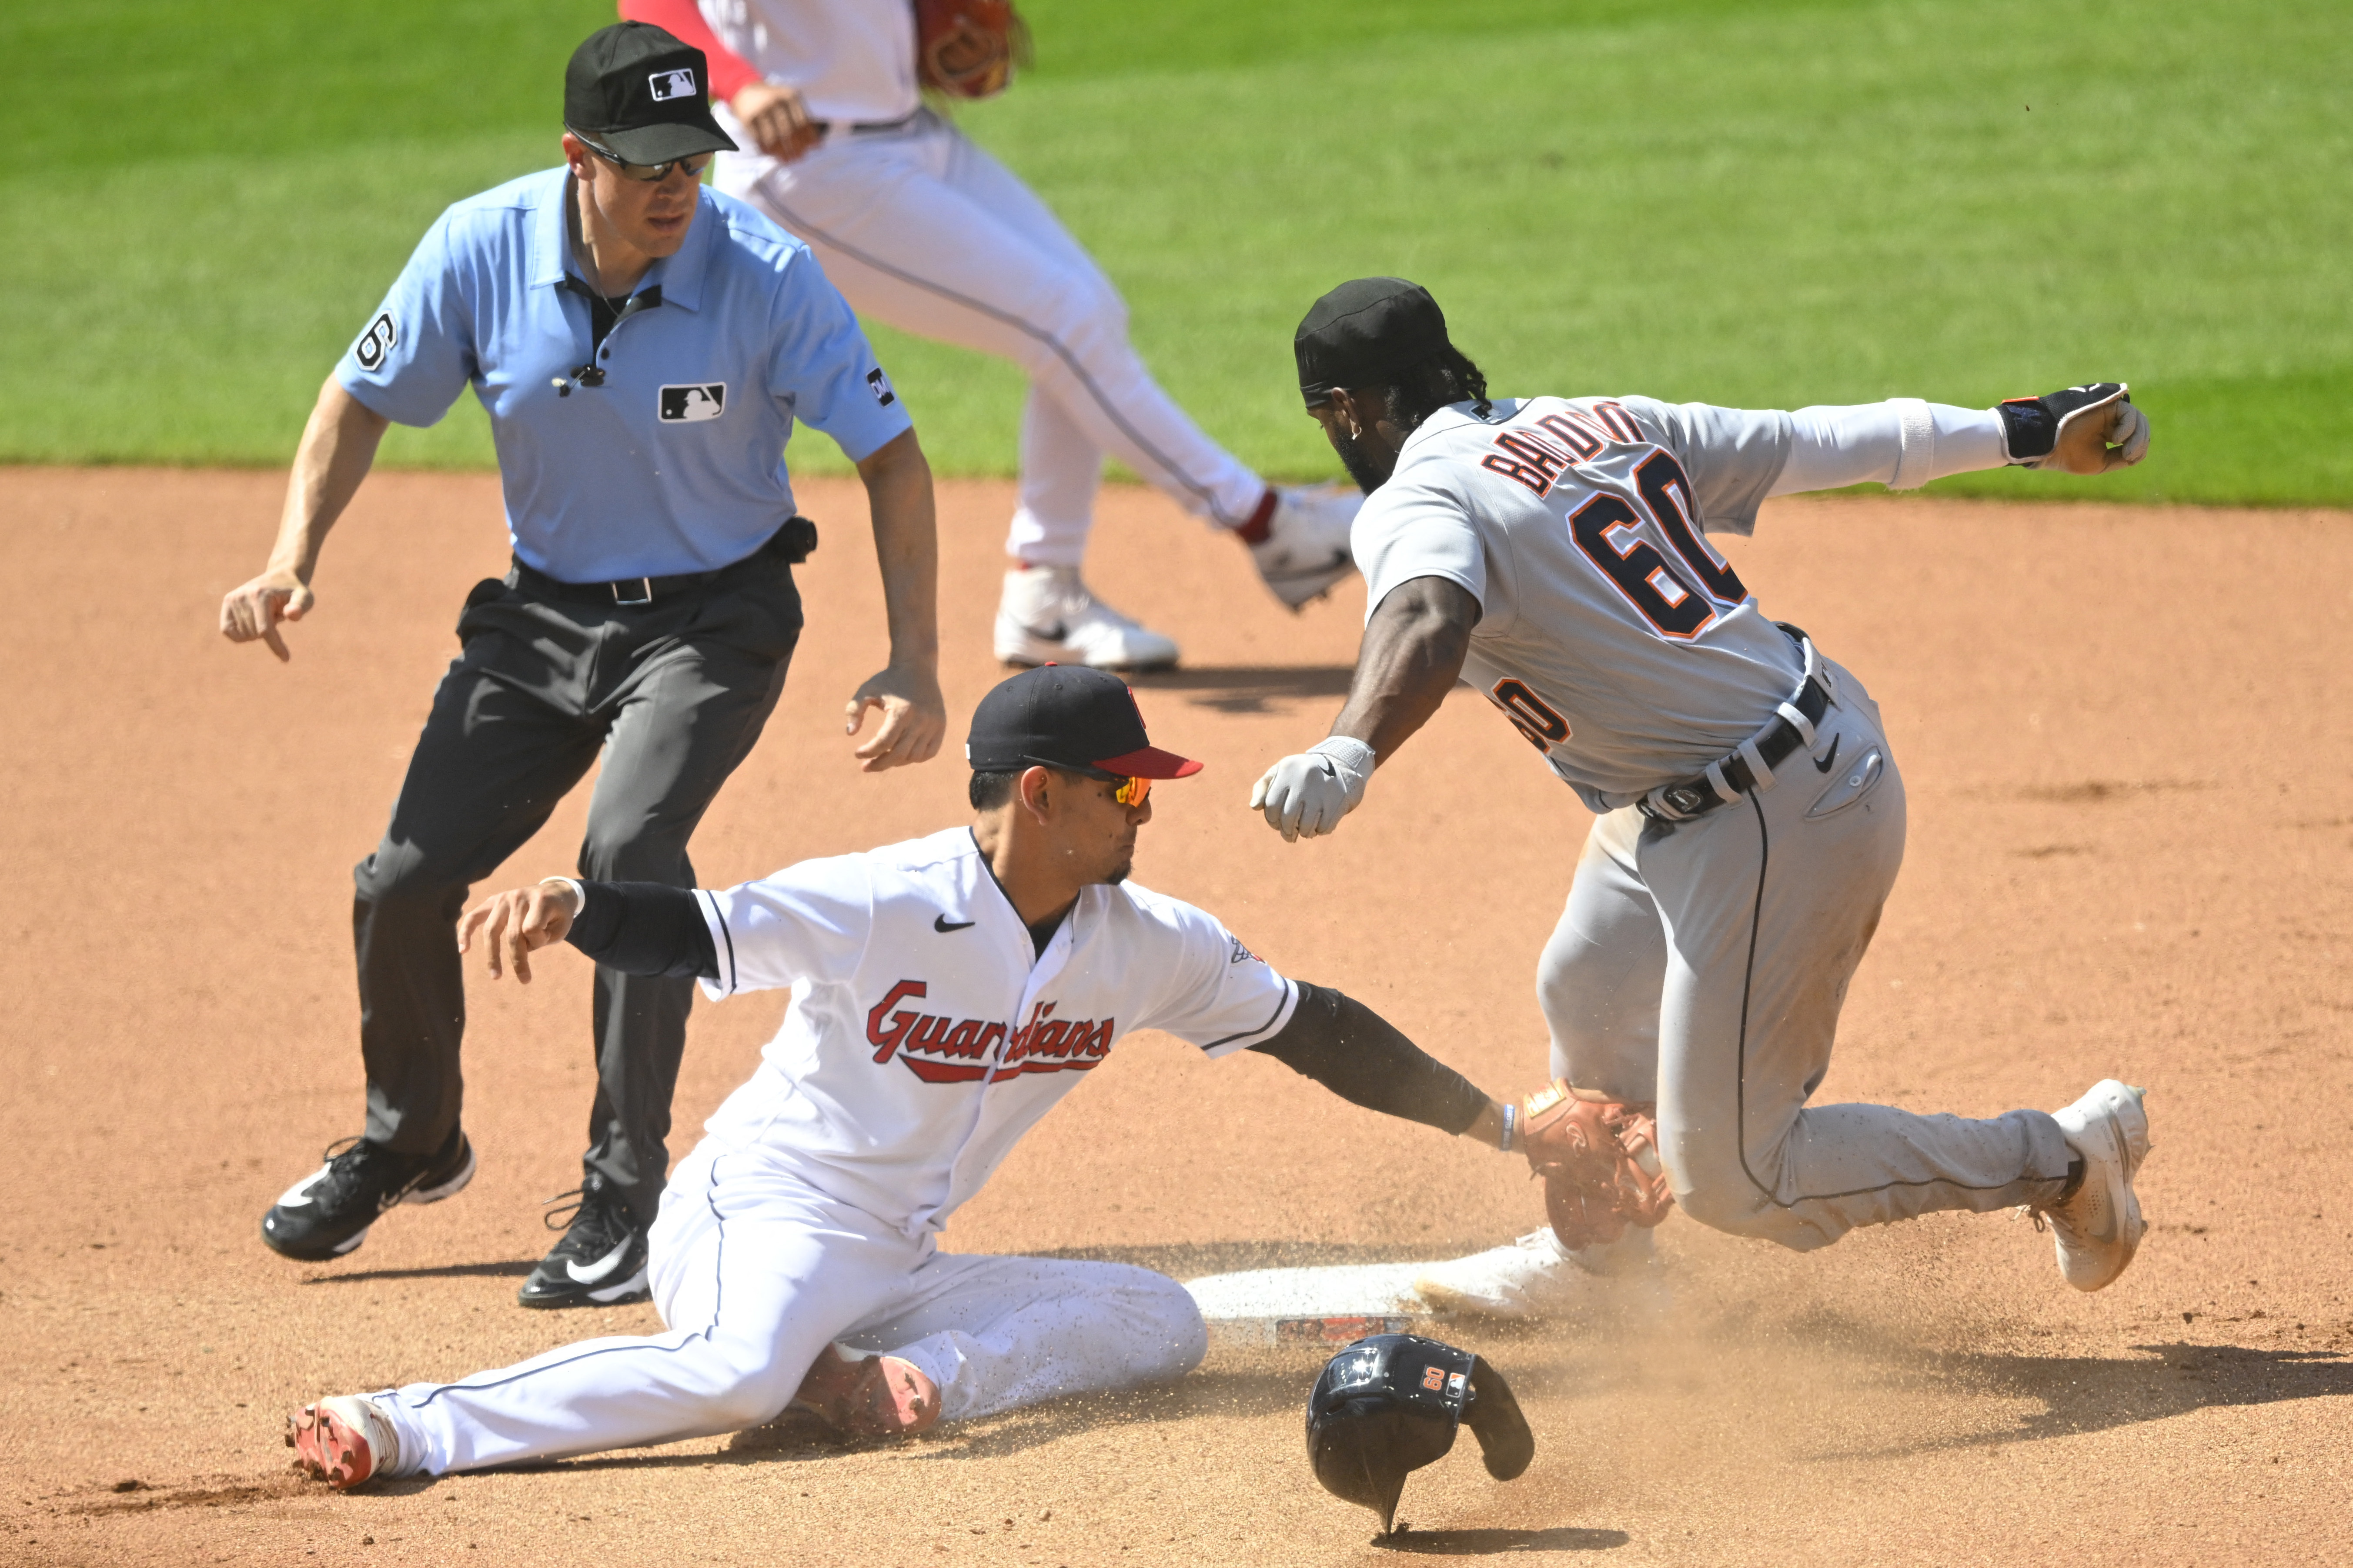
(946, 993)
(1554, 553)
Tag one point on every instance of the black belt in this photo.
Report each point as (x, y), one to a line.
(1733, 774)
(862, 127)
(790, 543)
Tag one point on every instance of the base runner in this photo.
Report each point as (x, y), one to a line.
(1554, 553)
(945, 994)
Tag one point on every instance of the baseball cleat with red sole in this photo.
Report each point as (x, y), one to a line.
(2097, 1230)
(345, 1441)
(870, 1396)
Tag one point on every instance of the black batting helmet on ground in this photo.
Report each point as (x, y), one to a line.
(1389, 1405)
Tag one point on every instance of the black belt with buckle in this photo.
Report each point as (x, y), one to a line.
(1734, 774)
(790, 543)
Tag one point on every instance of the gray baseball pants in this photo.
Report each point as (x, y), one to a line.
(671, 696)
(1702, 964)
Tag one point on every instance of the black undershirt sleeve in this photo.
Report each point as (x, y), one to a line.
(645, 928)
(1362, 1057)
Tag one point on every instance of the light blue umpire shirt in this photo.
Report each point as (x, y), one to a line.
(676, 463)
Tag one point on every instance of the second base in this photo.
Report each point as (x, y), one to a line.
(1334, 1306)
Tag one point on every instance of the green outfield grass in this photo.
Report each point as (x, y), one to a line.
(1762, 204)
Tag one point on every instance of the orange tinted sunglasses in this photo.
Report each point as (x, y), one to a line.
(1132, 792)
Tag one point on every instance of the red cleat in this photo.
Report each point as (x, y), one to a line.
(345, 1441)
(870, 1396)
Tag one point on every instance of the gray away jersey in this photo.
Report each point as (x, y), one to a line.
(1611, 635)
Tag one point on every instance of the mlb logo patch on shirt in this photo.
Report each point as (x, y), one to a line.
(667, 84)
(880, 386)
(376, 341)
(685, 404)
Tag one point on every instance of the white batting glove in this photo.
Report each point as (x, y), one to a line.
(1307, 793)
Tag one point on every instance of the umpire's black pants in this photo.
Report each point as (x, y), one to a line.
(673, 695)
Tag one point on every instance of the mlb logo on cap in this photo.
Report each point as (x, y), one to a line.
(667, 84)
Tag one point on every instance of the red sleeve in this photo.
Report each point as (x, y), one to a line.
(730, 73)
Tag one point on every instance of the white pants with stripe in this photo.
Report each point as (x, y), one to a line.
(754, 1272)
(1703, 965)
(921, 229)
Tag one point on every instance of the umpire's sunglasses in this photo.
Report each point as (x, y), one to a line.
(648, 173)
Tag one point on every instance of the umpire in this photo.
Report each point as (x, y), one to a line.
(643, 345)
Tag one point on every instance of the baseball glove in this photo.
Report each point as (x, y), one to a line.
(1600, 1162)
(967, 48)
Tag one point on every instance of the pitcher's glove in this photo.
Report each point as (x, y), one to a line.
(1600, 1162)
(2075, 430)
(967, 48)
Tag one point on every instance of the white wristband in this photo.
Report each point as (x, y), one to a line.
(579, 893)
(1510, 1123)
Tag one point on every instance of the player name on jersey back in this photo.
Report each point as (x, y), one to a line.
(1612, 634)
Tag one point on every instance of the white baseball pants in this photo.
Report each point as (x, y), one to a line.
(1703, 965)
(922, 231)
(755, 1271)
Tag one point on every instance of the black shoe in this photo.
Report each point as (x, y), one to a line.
(600, 1262)
(327, 1213)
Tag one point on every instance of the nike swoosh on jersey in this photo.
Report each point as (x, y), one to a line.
(1829, 761)
(601, 1267)
(942, 924)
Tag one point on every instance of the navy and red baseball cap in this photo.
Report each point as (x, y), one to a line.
(1070, 717)
(642, 95)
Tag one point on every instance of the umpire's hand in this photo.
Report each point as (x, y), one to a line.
(513, 923)
(914, 719)
(254, 609)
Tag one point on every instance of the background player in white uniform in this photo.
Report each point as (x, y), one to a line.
(919, 227)
(945, 994)
(1553, 553)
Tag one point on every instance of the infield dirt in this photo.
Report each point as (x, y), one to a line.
(2129, 754)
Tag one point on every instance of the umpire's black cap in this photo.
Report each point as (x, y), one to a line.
(1067, 716)
(1390, 1403)
(641, 95)
(1365, 332)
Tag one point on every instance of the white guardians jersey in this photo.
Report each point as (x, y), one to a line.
(1611, 633)
(853, 60)
(922, 1040)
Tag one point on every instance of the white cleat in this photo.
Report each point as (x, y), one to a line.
(1048, 615)
(1536, 1277)
(2097, 1230)
(1306, 547)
